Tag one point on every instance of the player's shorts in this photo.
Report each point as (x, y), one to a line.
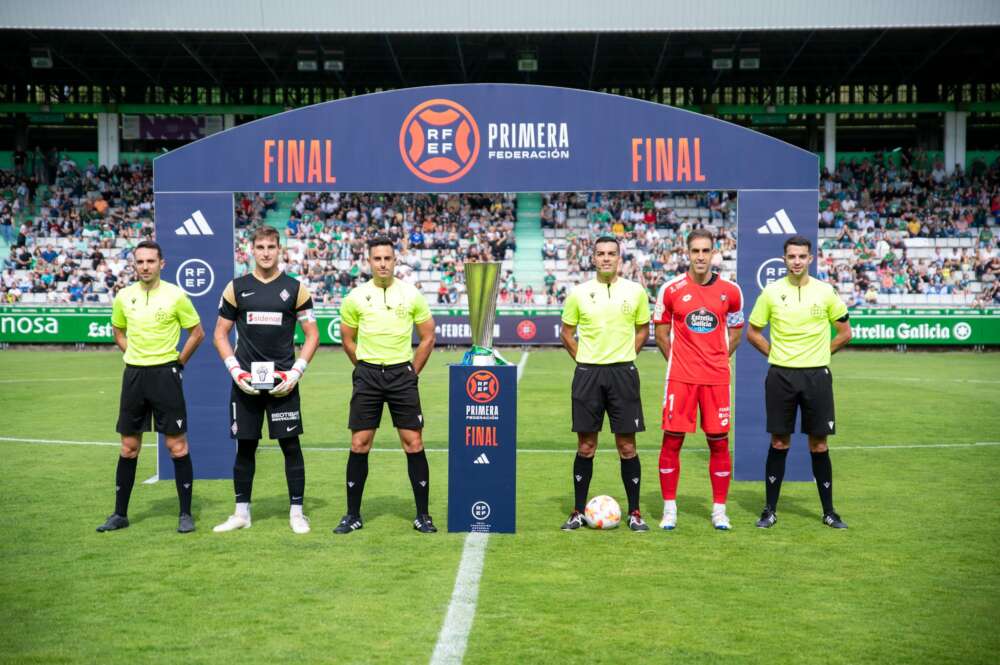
(810, 389)
(152, 393)
(377, 385)
(682, 401)
(246, 414)
(613, 388)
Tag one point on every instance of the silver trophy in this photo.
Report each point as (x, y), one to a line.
(482, 283)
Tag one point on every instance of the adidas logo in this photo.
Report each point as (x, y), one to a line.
(195, 225)
(482, 459)
(779, 224)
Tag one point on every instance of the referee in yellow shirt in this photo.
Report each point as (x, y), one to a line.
(610, 315)
(799, 310)
(376, 325)
(146, 319)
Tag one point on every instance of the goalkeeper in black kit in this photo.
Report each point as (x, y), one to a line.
(265, 306)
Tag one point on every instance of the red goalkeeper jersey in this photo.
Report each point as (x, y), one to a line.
(699, 318)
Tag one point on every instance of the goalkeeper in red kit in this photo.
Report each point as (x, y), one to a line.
(699, 320)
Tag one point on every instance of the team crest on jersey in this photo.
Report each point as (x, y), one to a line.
(701, 321)
(687, 297)
(284, 294)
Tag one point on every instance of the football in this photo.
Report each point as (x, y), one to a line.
(603, 512)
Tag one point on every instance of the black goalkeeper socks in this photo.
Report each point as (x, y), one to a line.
(184, 478)
(243, 469)
(295, 469)
(419, 471)
(631, 477)
(774, 473)
(823, 473)
(583, 470)
(357, 473)
(124, 481)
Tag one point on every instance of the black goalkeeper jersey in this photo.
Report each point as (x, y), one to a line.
(265, 314)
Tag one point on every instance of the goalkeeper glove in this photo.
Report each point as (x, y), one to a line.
(240, 376)
(290, 378)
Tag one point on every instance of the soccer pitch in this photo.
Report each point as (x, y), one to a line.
(914, 579)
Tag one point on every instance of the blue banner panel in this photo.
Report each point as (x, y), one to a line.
(485, 138)
(767, 218)
(196, 234)
(482, 448)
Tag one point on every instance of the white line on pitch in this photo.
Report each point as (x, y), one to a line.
(913, 379)
(454, 635)
(527, 451)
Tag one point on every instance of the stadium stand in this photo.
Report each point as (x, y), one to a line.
(895, 230)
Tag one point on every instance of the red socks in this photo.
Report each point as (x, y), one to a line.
(719, 468)
(670, 465)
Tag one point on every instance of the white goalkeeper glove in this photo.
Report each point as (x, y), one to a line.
(241, 377)
(290, 378)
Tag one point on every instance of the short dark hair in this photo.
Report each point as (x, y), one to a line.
(700, 233)
(603, 239)
(798, 241)
(264, 231)
(380, 241)
(149, 244)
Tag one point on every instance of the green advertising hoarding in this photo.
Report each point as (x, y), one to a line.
(877, 327)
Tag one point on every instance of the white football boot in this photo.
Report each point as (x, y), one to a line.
(299, 523)
(232, 523)
(719, 518)
(669, 521)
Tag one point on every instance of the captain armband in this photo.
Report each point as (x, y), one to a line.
(734, 319)
(306, 315)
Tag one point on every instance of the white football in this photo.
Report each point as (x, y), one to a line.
(603, 512)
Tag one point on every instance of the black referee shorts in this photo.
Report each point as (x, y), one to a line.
(152, 393)
(787, 389)
(613, 388)
(376, 385)
(246, 414)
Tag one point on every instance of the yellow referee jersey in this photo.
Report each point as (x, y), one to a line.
(606, 316)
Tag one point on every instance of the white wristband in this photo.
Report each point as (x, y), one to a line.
(231, 362)
(300, 366)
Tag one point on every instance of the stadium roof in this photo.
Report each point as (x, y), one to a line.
(472, 16)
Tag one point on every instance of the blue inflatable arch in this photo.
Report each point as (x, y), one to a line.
(477, 138)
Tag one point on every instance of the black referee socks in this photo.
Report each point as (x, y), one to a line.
(420, 474)
(583, 470)
(631, 477)
(823, 473)
(774, 473)
(357, 473)
(124, 481)
(184, 477)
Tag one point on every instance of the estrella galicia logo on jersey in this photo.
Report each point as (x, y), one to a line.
(482, 386)
(701, 321)
(439, 141)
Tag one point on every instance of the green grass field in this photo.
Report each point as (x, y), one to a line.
(915, 578)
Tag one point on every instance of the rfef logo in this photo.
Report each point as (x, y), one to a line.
(482, 386)
(527, 330)
(439, 141)
(195, 277)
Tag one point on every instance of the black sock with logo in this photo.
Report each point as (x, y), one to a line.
(184, 478)
(631, 478)
(823, 473)
(583, 470)
(357, 473)
(124, 481)
(420, 474)
(244, 468)
(774, 473)
(295, 469)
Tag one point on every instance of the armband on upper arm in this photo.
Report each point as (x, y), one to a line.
(734, 319)
(306, 315)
